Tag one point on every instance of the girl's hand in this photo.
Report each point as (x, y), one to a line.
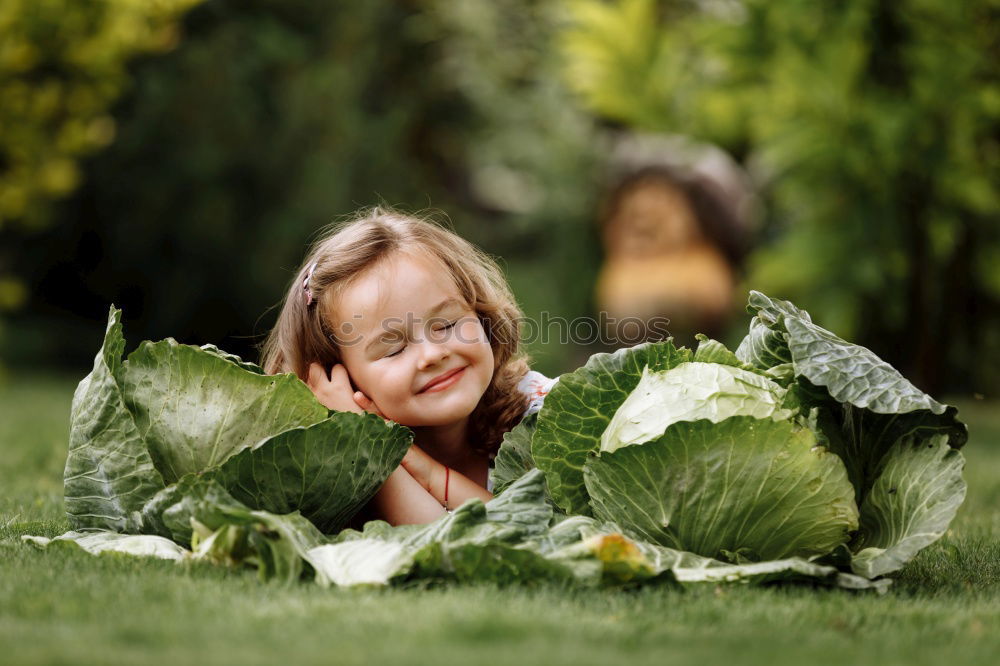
(367, 404)
(334, 391)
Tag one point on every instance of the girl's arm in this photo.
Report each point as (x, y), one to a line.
(432, 476)
(414, 493)
(403, 501)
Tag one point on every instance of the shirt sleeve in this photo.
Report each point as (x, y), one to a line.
(536, 386)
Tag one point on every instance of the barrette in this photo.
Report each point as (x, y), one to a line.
(305, 283)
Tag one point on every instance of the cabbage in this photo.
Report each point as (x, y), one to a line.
(691, 391)
(147, 431)
(799, 456)
(797, 446)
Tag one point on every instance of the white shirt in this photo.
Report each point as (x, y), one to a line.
(536, 386)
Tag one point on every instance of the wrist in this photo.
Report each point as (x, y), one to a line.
(440, 481)
(447, 479)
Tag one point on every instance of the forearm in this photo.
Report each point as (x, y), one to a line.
(460, 488)
(403, 501)
(442, 482)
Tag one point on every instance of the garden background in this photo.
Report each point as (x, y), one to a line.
(176, 157)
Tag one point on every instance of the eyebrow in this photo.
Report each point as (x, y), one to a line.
(433, 312)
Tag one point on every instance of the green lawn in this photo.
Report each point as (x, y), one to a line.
(68, 607)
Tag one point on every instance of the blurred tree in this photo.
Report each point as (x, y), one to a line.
(268, 121)
(874, 129)
(62, 65)
(528, 157)
(272, 118)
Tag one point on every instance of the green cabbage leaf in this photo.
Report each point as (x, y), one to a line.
(797, 457)
(146, 432)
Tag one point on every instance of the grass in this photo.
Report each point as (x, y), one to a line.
(60, 606)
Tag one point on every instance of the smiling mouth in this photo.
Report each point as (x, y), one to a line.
(442, 382)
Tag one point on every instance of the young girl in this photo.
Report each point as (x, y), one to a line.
(397, 316)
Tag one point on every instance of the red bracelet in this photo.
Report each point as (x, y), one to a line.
(447, 473)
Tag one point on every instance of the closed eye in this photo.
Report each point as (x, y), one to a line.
(442, 329)
(399, 351)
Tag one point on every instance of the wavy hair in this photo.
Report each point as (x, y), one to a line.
(302, 335)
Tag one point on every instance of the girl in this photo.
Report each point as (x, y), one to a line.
(394, 315)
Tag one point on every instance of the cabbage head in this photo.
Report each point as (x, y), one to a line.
(798, 456)
(797, 447)
(152, 434)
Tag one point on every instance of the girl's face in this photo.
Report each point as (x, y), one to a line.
(411, 343)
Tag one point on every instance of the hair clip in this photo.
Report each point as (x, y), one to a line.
(305, 283)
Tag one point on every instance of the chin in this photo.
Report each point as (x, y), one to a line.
(433, 417)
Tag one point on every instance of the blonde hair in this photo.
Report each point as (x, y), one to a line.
(302, 335)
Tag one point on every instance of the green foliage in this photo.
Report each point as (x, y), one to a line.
(270, 120)
(62, 65)
(872, 127)
(531, 155)
(273, 118)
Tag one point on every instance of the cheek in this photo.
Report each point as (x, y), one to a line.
(364, 377)
(488, 356)
(475, 336)
(391, 383)
(471, 333)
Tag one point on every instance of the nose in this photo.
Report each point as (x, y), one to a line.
(432, 353)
